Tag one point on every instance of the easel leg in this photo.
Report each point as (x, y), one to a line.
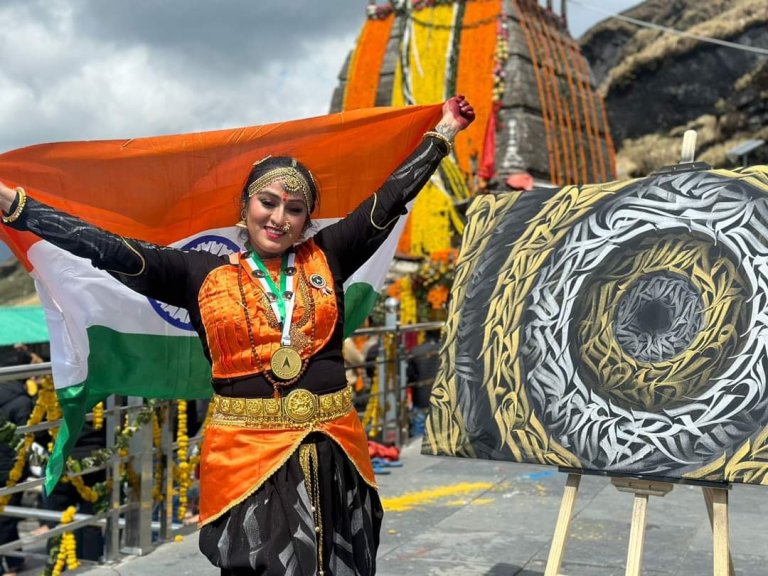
(642, 489)
(557, 550)
(637, 535)
(717, 508)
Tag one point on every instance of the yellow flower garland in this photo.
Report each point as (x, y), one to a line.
(157, 443)
(184, 470)
(67, 546)
(372, 416)
(408, 304)
(431, 221)
(86, 492)
(47, 404)
(423, 70)
(98, 416)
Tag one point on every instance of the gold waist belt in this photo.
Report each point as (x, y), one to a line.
(299, 409)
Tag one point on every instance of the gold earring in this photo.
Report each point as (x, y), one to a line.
(242, 223)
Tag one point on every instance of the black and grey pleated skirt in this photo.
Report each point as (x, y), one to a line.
(314, 516)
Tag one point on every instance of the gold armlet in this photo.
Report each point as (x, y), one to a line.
(439, 136)
(388, 224)
(16, 213)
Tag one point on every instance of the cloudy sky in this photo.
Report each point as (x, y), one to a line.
(99, 69)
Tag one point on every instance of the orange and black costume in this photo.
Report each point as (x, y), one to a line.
(287, 486)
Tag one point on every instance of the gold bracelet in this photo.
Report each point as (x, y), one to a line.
(16, 213)
(439, 136)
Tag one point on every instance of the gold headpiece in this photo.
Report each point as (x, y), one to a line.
(292, 180)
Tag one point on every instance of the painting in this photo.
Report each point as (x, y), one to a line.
(619, 328)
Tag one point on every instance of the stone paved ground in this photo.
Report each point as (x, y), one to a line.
(452, 517)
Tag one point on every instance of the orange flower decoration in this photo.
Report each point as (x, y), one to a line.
(437, 296)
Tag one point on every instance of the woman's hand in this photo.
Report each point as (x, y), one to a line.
(7, 196)
(457, 115)
(458, 111)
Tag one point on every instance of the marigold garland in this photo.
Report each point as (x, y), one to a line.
(86, 492)
(98, 416)
(365, 65)
(421, 76)
(157, 443)
(183, 468)
(476, 76)
(432, 223)
(67, 554)
(372, 417)
(425, 292)
(437, 297)
(46, 405)
(408, 304)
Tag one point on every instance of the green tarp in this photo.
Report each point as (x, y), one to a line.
(22, 325)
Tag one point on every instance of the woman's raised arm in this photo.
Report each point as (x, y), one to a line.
(358, 235)
(144, 267)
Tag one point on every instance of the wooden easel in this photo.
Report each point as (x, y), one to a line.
(716, 500)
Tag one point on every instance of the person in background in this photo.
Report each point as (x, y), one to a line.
(353, 360)
(15, 407)
(421, 372)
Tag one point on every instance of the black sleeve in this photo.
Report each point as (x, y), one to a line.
(154, 271)
(356, 237)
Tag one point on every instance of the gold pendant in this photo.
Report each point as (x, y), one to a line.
(286, 363)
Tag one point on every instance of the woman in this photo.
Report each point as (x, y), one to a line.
(287, 486)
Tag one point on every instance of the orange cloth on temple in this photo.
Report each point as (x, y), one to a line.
(314, 316)
(235, 462)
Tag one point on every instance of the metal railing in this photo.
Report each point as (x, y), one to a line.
(133, 523)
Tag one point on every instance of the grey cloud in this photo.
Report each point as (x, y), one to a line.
(103, 68)
(228, 36)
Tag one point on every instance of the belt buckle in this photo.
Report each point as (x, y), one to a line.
(300, 405)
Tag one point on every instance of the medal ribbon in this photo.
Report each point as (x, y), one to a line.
(284, 300)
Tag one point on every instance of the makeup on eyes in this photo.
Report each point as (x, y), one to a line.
(271, 199)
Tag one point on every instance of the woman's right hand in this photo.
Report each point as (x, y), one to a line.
(7, 196)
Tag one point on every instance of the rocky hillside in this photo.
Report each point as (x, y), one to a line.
(16, 285)
(657, 84)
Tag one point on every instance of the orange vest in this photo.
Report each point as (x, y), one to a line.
(235, 462)
(314, 315)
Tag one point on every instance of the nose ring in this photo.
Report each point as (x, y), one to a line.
(286, 227)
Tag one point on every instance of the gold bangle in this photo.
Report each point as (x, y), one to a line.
(16, 213)
(439, 136)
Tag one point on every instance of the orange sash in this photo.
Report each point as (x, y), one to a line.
(235, 462)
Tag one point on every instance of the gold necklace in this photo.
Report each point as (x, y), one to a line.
(276, 385)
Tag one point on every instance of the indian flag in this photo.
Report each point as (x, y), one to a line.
(182, 191)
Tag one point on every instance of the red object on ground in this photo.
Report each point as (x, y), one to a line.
(376, 450)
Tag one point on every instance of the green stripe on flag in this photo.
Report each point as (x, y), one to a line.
(72, 402)
(165, 367)
(359, 299)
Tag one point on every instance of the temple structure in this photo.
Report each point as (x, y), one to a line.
(539, 117)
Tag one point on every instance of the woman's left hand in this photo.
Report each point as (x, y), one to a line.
(458, 113)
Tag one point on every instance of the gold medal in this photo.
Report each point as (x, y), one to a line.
(286, 363)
